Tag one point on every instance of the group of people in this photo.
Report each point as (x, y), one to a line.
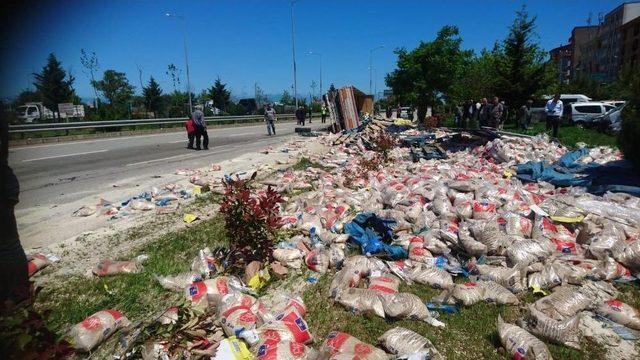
(496, 113)
(490, 114)
(303, 113)
(197, 130)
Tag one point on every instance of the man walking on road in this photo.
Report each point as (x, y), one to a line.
(300, 115)
(554, 111)
(201, 128)
(525, 115)
(270, 118)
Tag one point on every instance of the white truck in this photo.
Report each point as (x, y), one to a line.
(34, 111)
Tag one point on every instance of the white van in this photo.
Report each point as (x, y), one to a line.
(584, 113)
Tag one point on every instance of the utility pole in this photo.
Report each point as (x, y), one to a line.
(186, 57)
(371, 67)
(293, 53)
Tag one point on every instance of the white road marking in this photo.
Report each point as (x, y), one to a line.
(156, 160)
(178, 141)
(242, 134)
(66, 155)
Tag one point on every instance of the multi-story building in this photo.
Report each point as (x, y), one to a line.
(630, 49)
(601, 56)
(580, 36)
(561, 57)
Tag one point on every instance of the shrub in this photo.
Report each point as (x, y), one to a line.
(630, 131)
(251, 220)
(382, 142)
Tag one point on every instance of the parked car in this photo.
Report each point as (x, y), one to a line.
(406, 112)
(615, 103)
(586, 114)
(538, 108)
(611, 120)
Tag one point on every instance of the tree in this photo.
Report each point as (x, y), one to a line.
(115, 87)
(629, 81)
(53, 84)
(478, 80)
(90, 63)
(261, 98)
(427, 74)
(152, 96)
(286, 98)
(28, 96)
(174, 73)
(220, 95)
(521, 69)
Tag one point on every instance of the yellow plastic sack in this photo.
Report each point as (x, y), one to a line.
(197, 190)
(189, 218)
(568, 220)
(402, 122)
(260, 279)
(232, 348)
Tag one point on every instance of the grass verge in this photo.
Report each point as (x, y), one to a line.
(569, 135)
(472, 332)
(136, 295)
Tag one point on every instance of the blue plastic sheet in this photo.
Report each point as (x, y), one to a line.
(373, 235)
(615, 176)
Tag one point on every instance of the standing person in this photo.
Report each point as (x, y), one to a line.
(457, 115)
(554, 110)
(398, 112)
(505, 115)
(389, 112)
(323, 113)
(309, 112)
(14, 277)
(496, 113)
(201, 128)
(525, 115)
(270, 118)
(191, 132)
(300, 115)
(483, 113)
(467, 113)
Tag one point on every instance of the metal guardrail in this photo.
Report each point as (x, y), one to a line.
(30, 128)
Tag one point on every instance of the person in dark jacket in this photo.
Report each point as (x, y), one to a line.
(201, 128)
(484, 113)
(14, 275)
(301, 115)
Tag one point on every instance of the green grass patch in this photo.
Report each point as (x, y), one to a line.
(305, 163)
(136, 295)
(569, 135)
(472, 332)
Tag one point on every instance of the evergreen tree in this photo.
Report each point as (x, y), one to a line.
(153, 96)
(520, 68)
(53, 84)
(115, 87)
(220, 95)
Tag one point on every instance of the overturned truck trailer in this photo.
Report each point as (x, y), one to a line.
(345, 106)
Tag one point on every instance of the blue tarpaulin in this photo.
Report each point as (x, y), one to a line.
(615, 176)
(373, 235)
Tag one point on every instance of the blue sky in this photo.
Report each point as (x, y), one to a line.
(247, 42)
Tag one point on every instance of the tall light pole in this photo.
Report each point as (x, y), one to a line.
(371, 67)
(186, 57)
(320, 55)
(293, 54)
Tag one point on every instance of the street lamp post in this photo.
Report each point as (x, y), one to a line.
(320, 55)
(186, 57)
(293, 54)
(371, 67)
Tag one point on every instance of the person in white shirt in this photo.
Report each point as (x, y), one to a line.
(554, 110)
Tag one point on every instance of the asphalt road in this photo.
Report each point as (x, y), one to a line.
(52, 175)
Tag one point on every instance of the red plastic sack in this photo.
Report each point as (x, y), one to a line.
(93, 330)
(235, 315)
(281, 350)
(483, 210)
(339, 343)
(110, 267)
(317, 260)
(37, 262)
(386, 284)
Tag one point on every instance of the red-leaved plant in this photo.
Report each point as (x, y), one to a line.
(251, 220)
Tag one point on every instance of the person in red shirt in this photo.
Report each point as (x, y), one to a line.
(191, 132)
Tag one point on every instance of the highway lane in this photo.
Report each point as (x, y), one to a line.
(52, 175)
